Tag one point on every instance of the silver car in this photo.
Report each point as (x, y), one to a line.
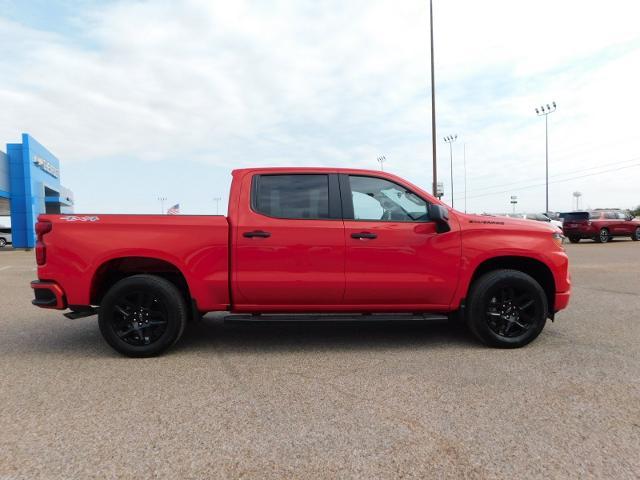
(5, 237)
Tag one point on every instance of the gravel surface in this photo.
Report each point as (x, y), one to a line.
(368, 401)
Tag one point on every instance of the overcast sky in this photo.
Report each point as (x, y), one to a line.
(141, 99)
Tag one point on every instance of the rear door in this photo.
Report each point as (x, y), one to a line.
(289, 247)
(395, 260)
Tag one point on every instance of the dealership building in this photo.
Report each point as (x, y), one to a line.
(30, 185)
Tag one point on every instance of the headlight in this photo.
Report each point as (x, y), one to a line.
(558, 238)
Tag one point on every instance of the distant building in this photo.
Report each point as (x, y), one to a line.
(30, 185)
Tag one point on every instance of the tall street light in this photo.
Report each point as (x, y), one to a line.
(545, 111)
(381, 159)
(162, 200)
(433, 106)
(464, 162)
(450, 139)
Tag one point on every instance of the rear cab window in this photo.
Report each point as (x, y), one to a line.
(294, 196)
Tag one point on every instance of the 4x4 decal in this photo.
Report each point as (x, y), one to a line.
(74, 218)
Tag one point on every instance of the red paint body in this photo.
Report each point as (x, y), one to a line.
(305, 265)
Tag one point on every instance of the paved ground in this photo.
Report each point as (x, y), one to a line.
(325, 402)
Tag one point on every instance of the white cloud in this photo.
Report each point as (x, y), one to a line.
(336, 83)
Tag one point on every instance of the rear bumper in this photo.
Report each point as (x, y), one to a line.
(48, 295)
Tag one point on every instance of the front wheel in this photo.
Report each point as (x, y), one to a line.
(506, 309)
(635, 236)
(142, 315)
(3, 242)
(603, 236)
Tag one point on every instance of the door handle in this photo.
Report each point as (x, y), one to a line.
(256, 233)
(364, 235)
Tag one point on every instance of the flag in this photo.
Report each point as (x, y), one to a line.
(175, 210)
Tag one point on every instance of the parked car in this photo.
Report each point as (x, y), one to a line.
(543, 217)
(303, 241)
(5, 237)
(600, 225)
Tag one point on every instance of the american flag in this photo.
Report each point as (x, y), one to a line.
(175, 210)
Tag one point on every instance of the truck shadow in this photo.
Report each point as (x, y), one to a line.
(213, 334)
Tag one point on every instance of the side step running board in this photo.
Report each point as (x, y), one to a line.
(86, 312)
(301, 318)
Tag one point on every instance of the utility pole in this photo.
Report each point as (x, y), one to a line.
(514, 201)
(545, 111)
(217, 200)
(464, 161)
(450, 139)
(162, 200)
(381, 159)
(433, 107)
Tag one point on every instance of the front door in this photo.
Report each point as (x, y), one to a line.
(395, 259)
(289, 247)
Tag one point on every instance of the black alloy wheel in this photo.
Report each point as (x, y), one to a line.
(142, 315)
(140, 318)
(510, 312)
(506, 308)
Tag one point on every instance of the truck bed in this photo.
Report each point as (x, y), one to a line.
(80, 246)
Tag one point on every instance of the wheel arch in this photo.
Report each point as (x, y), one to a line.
(537, 269)
(115, 269)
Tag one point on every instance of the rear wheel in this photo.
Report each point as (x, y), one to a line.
(603, 236)
(506, 309)
(574, 239)
(3, 242)
(142, 315)
(635, 236)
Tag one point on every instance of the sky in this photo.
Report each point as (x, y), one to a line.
(148, 99)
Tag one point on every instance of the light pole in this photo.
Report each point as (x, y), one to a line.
(381, 159)
(433, 107)
(464, 162)
(450, 139)
(217, 200)
(546, 110)
(162, 200)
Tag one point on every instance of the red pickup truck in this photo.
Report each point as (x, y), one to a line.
(342, 242)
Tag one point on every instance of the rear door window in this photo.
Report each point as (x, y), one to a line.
(292, 196)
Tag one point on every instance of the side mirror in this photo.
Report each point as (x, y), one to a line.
(629, 218)
(440, 216)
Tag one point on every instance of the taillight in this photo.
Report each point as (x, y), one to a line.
(42, 227)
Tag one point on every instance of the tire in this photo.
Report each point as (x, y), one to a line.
(635, 236)
(574, 239)
(3, 242)
(603, 236)
(142, 315)
(506, 309)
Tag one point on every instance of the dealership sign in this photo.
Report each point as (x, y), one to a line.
(47, 166)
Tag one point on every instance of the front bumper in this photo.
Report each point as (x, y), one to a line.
(48, 295)
(561, 301)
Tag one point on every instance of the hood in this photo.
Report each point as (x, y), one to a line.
(497, 221)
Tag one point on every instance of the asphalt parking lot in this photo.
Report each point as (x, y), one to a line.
(367, 401)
